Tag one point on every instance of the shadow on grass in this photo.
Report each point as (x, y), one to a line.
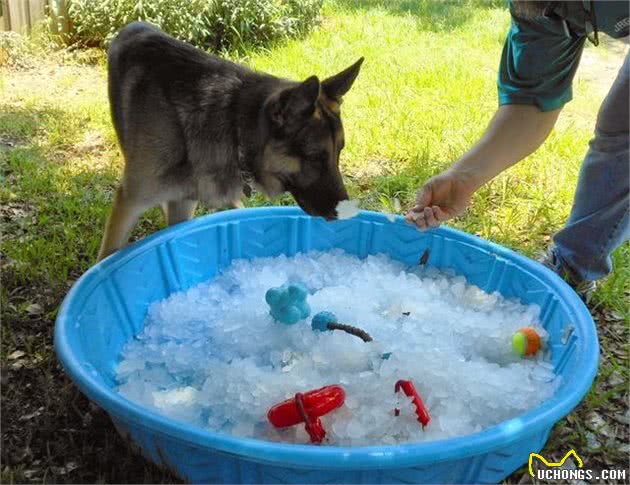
(432, 15)
(52, 213)
(59, 193)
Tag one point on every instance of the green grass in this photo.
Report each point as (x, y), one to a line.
(425, 94)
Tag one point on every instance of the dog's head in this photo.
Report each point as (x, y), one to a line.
(302, 154)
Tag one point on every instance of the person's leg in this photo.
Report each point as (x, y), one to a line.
(599, 220)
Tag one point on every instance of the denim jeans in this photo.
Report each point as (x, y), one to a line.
(599, 221)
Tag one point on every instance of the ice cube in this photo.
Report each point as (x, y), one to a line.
(347, 209)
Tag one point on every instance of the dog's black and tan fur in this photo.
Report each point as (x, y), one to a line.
(192, 127)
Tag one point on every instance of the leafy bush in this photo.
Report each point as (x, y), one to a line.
(16, 50)
(241, 23)
(213, 24)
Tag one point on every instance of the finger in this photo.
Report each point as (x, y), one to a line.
(417, 218)
(414, 211)
(413, 214)
(423, 197)
(439, 214)
(430, 218)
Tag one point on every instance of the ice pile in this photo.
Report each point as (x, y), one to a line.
(214, 357)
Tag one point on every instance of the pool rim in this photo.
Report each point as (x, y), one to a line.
(537, 420)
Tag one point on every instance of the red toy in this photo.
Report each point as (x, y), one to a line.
(307, 408)
(410, 391)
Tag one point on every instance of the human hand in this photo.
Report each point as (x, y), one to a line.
(442, 197)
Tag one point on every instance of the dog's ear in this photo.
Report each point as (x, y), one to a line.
(295, 103)
(336, 86)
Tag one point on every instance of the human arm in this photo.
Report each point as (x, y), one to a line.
(514, 132)
(537, 67)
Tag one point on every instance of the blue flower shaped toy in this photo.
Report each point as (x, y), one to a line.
(287, 303)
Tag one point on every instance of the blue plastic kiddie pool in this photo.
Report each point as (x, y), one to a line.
(107, 307)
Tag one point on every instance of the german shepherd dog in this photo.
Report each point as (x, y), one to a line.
(194, 127)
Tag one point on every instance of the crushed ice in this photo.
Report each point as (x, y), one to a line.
(214, 357)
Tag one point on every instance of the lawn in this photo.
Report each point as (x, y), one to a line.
(425, 94)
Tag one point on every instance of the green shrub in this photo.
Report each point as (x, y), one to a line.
(16, 50)
(241, 23)
(210, 24)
